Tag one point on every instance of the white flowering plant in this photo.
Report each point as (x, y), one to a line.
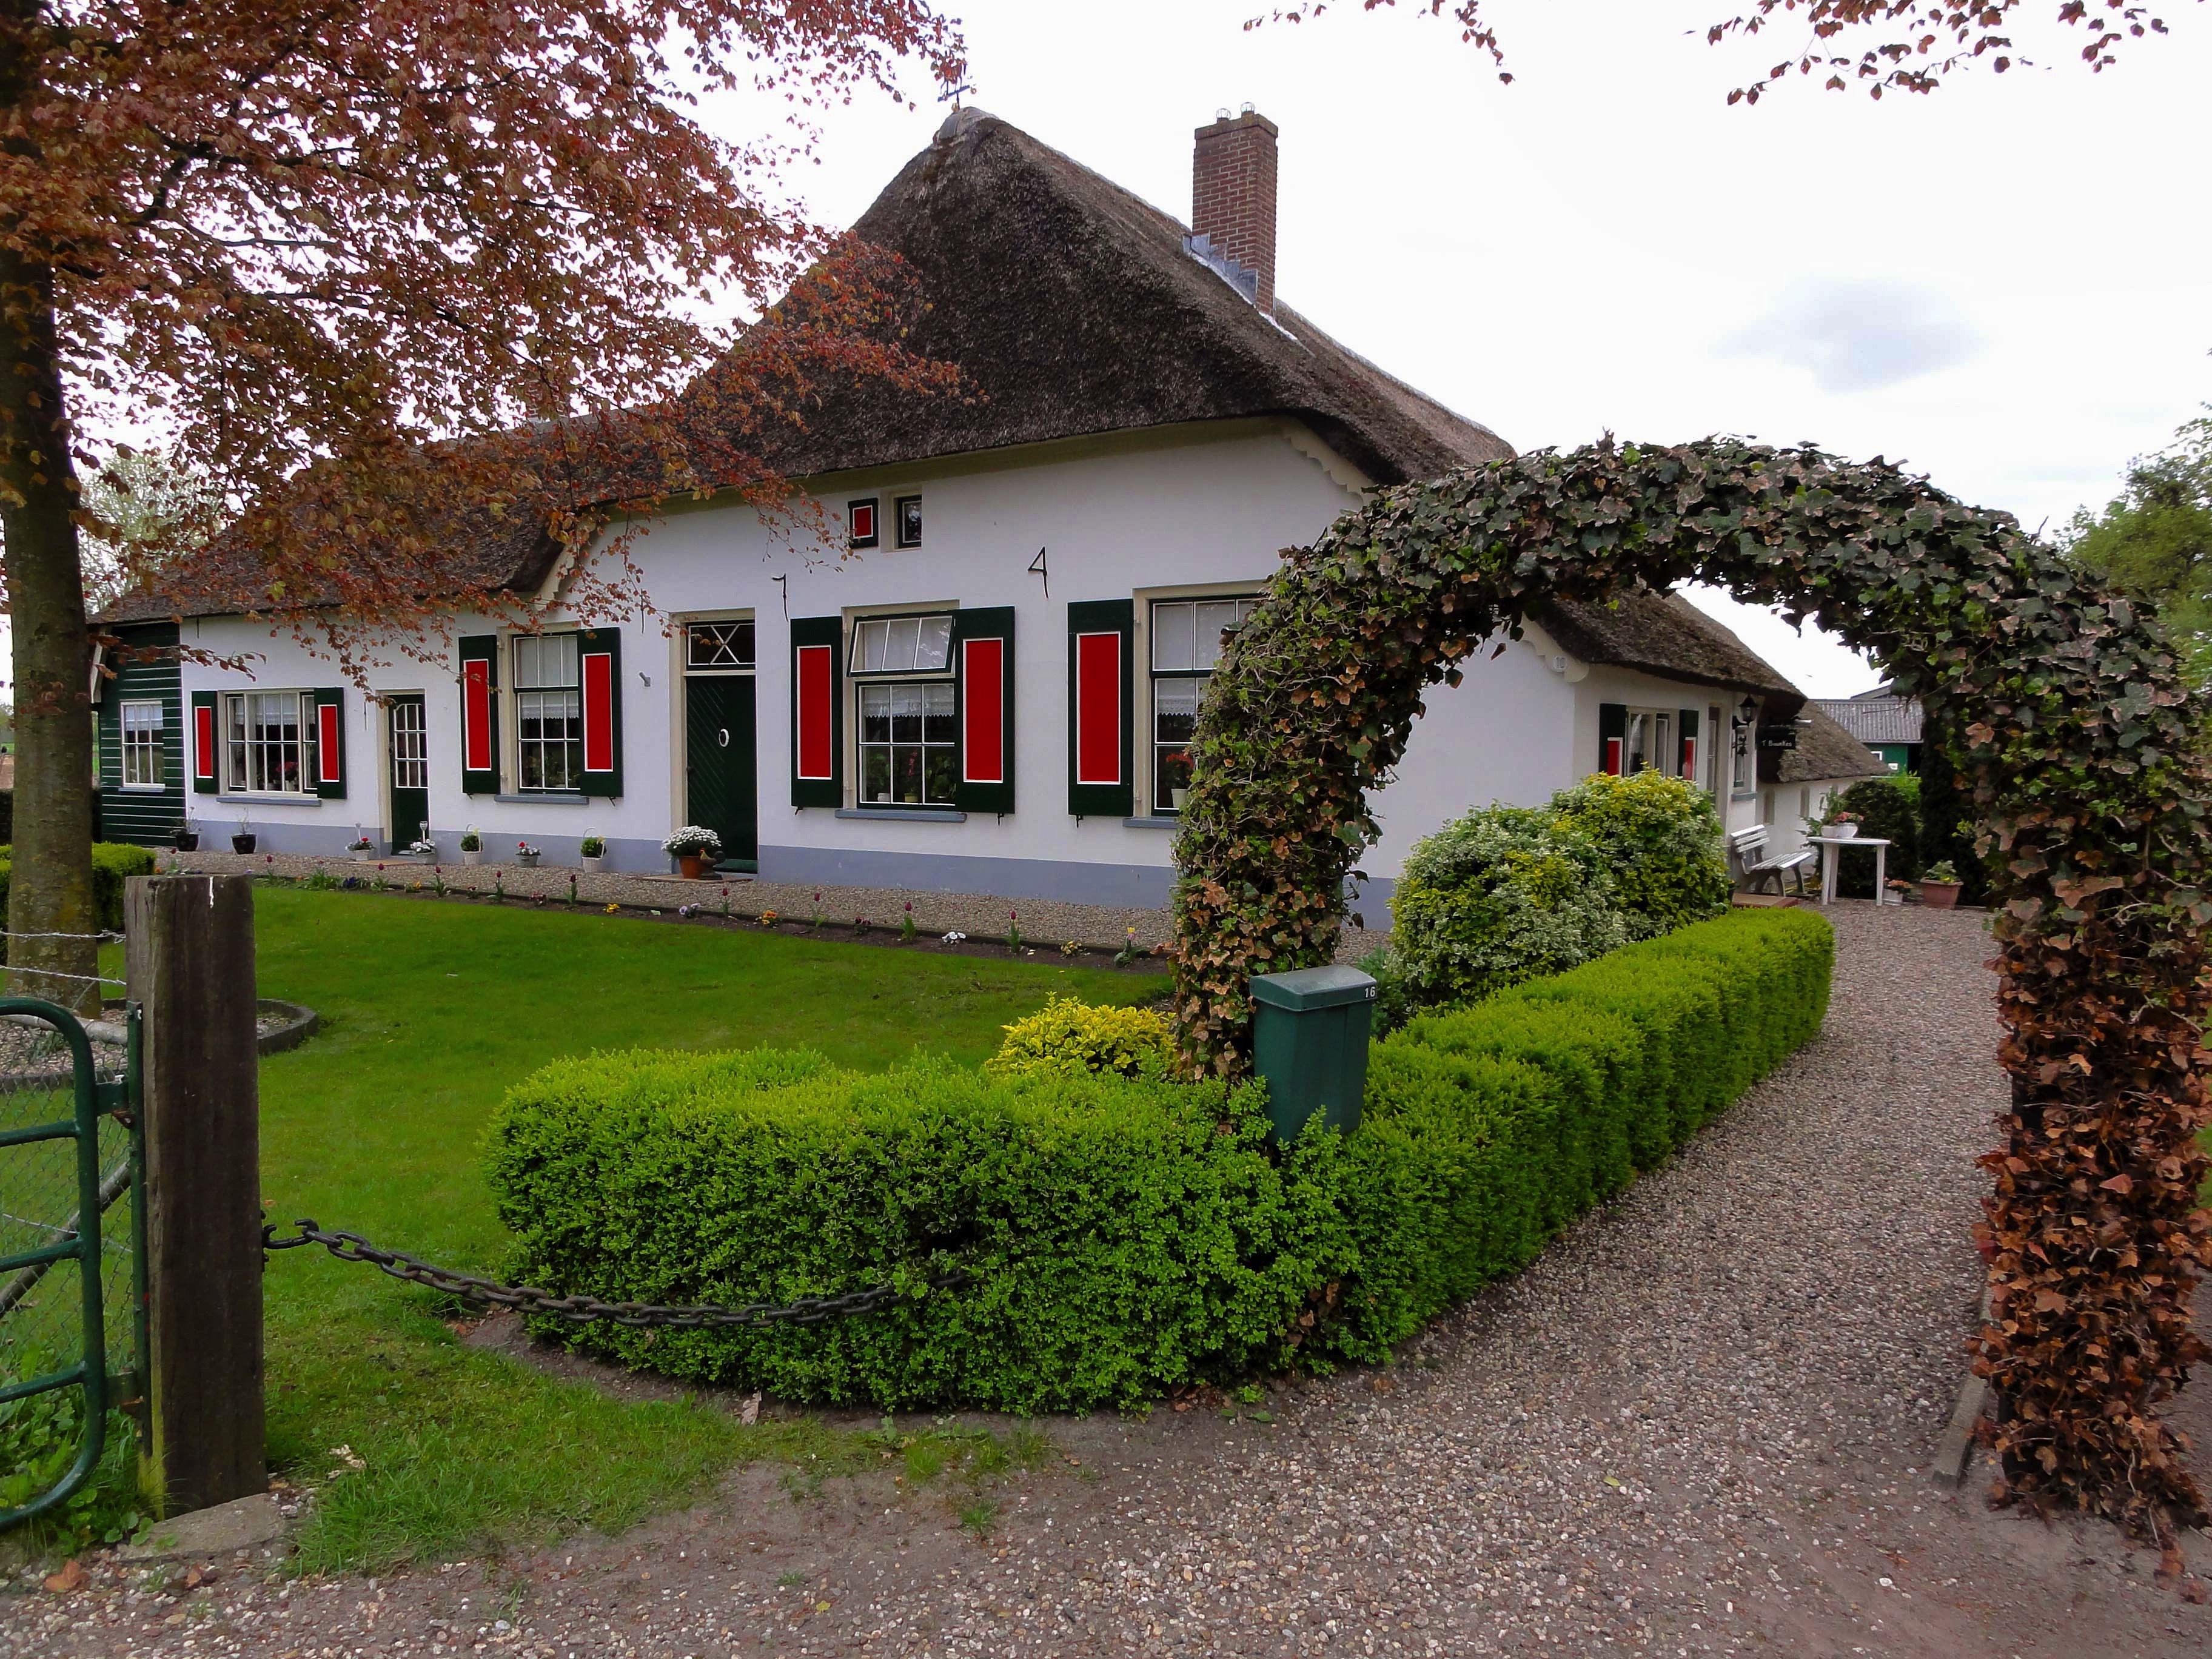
(693, 841)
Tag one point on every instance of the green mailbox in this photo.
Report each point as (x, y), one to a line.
(1309, 1041)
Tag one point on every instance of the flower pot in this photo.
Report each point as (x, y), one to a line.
(241, 843)
(363, 854)
(1939, 895)
(1176, 798)
(591, 863)
(472, 856)
(186, 841)
(1843, 831)
(527, 861)
(693, 865)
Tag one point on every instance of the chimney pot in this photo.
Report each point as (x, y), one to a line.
(1233, 194)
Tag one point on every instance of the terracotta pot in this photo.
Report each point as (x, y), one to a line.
(694, 865)
(1939, 895)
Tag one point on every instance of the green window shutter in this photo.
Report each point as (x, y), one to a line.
(1611, 737)
(206, 744)
(1690, 755)
(983, 664)
(1101, 707)
(330, 744)
(599, 672)
(479, 683)
(817, 711)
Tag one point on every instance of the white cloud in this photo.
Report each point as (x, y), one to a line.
(1861, 335)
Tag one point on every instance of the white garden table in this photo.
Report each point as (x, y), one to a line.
(1832, 855)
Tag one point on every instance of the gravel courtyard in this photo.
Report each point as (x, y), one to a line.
(1700, 1424)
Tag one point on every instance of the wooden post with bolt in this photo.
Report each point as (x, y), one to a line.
(190, 953)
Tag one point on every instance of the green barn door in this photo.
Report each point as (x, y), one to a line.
(408, 745)
(722, 781)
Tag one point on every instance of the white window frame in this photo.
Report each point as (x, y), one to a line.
(913, 648)
(1243, 596)
(1656, 726)
(239, 750)
(522, 699)
(140, 746)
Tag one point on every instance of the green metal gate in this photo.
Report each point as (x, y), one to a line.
(72, 1281)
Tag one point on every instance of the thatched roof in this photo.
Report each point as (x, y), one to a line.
(1824, 751)
(1073, 309)
(1666, 635)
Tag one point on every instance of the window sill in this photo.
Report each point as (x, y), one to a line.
(1156, 821)
(142, 788)
(906, 814)
(274, 799)
(546, 798)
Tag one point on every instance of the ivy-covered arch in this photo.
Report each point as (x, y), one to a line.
(2091, 793)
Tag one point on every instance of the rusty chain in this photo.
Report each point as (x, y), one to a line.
(583, 1310)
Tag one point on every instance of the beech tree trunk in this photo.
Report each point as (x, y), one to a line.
(50, 890)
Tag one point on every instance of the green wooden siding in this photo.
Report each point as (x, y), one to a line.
(146, 816)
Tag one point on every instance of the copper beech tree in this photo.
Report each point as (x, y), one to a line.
(394, 275)
(1899, 46)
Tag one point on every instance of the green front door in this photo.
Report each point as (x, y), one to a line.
(722, 781)
(408, 742)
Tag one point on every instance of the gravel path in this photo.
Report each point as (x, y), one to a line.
(1045, 923)
(1699, 1425)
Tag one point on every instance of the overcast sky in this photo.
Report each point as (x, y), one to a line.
(2004, 285)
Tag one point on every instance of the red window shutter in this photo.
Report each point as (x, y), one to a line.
(599, 712)
(326, 743)
(818, 691)
(1098, 746)
(984, 637)
(1613, 735)
(983, 713)
(204, 743)
(475, 715)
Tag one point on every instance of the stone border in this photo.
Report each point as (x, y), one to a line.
(301, 1023)
(1955, 1447)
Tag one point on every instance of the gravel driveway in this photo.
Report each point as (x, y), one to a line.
(1699, 1425)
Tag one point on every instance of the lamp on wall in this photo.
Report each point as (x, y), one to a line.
(1747, 717)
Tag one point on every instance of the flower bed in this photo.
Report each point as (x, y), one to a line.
(1125, 1235)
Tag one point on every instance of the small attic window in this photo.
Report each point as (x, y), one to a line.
(905, 520)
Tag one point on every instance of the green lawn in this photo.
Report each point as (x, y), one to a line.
(429, 1011)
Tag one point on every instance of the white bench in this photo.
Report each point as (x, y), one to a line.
(1747, 850)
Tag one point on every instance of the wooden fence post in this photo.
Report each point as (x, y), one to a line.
(190, 968)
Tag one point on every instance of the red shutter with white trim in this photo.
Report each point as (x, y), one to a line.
(983, 640)
(1100, 696)
(599, 672)
(207, 747)
(479, 678)
(330, 744)
(1612, 738)
(817, 717)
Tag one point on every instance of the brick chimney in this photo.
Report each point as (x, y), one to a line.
(1232, 194)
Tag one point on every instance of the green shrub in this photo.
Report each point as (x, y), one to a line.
(1122, 1236)
(1501, 895)
(1889, 808)
(1068, 1035)
(1125, 1235)
(112, 863)
(1662, 839)
(1488, 1129)
(1394, 997)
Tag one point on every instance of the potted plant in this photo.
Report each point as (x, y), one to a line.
(527, 855)
(186, 839)
(1939, 886)
(595, 850)
(693, 847)
(362, 849)
(472, 846)
(242, 840)
(1842, 825)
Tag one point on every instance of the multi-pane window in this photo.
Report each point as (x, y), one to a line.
(141, 746)
(548, 712)
(1744, 761)
(270, 747)
(1186, 638)
(1649, 742)
(901, 645)
(410, 747)
(907, 744)
(719, 645)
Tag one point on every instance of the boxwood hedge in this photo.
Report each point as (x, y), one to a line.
(1126, 1236)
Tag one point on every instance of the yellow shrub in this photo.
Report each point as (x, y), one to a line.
(1067, 1035)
